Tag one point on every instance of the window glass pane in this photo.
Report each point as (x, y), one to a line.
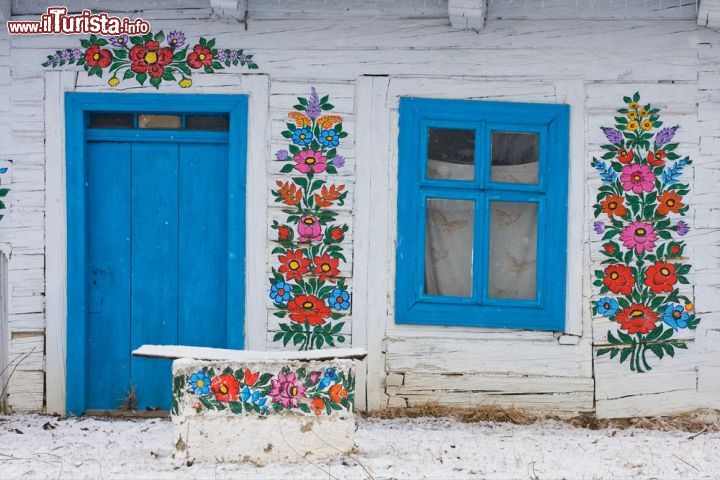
(111, 120)
(515, 157)
(513, 250)
(451, 154)
(163, 122)
(207, 122)
(449, 247)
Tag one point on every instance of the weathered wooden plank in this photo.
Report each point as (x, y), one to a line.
(454, 355)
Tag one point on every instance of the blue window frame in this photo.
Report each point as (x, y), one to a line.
(483, 188)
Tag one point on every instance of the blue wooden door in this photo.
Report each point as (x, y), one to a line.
(156, 238)
(157, 261)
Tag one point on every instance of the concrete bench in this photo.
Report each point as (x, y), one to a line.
(260, 407)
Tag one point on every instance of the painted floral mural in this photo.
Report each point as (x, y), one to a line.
(3, 193)
(300, 390)
(154, 58)
(307, 288)
(639, 210)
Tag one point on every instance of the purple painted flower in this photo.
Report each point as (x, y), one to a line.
(119, 40)
(599, 227)
(241, 58)
(66, 55)
(286, 390)
(613, 135)
(222, 55)
(233, 55)
(338, 161)
(57, 58)
(313, 108)
(665, 135)
(176, 39)
(77, 54)
(682, 228)
(281, 155)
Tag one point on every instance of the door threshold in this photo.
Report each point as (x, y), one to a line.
(127, 413)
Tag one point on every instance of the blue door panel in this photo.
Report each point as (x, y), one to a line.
(155, 244)
(108, 270)
(203, 245)
(154, 274)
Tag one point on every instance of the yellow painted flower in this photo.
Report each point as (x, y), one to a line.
(643, 112)
(632, 126)
(633, 105)
(114, 81)
(185, 83)
(689, 307)
(632, 115)
(646, 125)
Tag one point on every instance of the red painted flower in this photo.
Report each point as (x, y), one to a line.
(619, 279)
(308, 309)
(284, 233)
(294, 264)
(656, 159)
(637, 319)
(326, 267)
(96, 57)
(675, 250)
(200, 57)
(661, 277)
(150, 58)
(337, 234)
(225, 387)
(250, 378)
(625, 156)
(610, 248)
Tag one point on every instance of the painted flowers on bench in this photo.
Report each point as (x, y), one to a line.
(242, 390)
(307, 287)
(152, 58)
(639, 205)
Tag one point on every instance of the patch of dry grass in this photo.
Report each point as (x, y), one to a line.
(697, 422)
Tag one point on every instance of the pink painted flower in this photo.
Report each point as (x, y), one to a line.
(637, 178)
(286, 390)
(309, 229)
(639, 236)
(314, 376)
(310, 161)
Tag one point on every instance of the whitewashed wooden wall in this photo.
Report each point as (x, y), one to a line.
(365, 64)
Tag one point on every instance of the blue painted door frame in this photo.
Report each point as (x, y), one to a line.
(78, 107)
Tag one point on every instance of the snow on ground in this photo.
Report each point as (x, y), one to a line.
(389, 449)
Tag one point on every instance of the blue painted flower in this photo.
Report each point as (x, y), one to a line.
(280, 292)
(328, 377)
(339, 299)
(675, 316)
(607, 306)
(252, 396)
(329, 138)
(302, 136)
(200, 383)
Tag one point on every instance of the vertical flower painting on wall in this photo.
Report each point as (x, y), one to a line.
(307, 288)
(640, 209)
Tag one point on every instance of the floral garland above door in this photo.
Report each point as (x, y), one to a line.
(308, 287)
(153, 58)
(640, 203)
